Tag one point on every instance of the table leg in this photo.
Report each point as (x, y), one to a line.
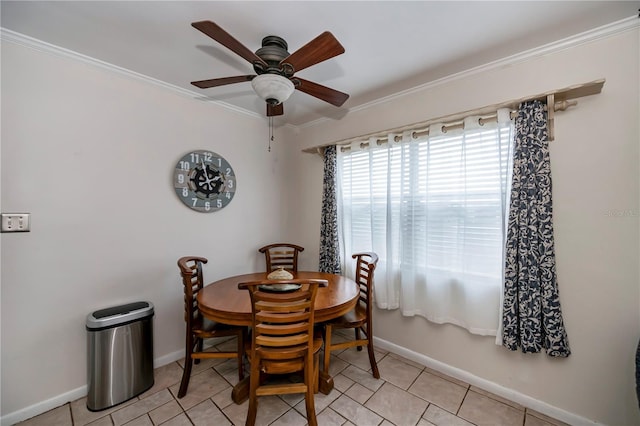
(240, 392)
(325, 384)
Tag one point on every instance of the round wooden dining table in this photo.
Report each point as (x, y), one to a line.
(224, 302)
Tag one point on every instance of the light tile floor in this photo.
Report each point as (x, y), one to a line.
(406, 394)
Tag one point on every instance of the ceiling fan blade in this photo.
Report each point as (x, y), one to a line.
(273, 110)
(224, 38)
(214, 82)
(321, 48)
(319, 91)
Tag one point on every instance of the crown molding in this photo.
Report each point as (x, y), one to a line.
(595, 34)
(604, 31)
(39, 45)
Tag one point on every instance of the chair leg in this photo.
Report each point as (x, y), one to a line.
(186, 374)
(254, 382)
(372, 359)
(316, 373)
(308, 397)
(199, 345)
(357, 331)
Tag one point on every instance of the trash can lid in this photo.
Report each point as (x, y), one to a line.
(119, 314)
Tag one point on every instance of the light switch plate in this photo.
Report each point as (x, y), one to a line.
(16, 222)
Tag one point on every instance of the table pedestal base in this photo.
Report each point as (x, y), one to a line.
(325, 383)
(240, 392)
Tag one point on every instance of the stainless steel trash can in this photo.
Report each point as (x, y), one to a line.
(119, 354)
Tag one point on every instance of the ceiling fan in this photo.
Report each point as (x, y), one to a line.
(275, 67)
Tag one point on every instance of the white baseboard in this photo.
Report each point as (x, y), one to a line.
(168, 358)
(43, 407)
(81, 392)
(465, 376)
(510, 394)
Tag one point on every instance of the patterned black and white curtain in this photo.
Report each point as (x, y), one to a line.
(531, 317)
(329, 245)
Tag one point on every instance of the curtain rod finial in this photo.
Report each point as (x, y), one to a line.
(563, 105)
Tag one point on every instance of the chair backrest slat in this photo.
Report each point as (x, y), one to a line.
(365, 266)
(193, 282)
(281, 255)
(282, 319)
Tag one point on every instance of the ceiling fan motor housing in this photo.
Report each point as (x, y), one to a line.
(273, 51)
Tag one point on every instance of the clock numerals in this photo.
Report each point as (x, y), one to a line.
(196, 157)
(204, 181)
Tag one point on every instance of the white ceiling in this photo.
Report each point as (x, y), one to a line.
(390, 46)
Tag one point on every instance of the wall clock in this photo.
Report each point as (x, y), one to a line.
(204, 181)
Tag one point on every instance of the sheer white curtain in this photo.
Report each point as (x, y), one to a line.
(434, 210)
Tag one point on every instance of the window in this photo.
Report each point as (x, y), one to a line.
(434, 210)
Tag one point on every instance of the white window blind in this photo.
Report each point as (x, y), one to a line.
(434, 210)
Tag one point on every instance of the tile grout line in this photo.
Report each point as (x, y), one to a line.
(462, 402)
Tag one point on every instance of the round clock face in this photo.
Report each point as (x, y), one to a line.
(204, 181)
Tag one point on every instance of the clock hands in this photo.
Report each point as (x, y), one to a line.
(208, 181)
(210, 184)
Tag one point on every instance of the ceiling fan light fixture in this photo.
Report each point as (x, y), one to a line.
(273, 88)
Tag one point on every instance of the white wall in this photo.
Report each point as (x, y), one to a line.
(90, 154)
(595, 167)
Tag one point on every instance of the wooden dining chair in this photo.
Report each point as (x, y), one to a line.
(281, 255)
(359, 318)
(283, 341)
(199, 328)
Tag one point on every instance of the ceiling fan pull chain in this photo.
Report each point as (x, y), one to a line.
(270, 132)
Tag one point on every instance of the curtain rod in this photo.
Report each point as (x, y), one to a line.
(561, 99)
(418, 133)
